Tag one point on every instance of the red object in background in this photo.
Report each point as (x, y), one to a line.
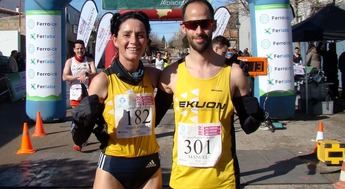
(110, 53)
(160, 14)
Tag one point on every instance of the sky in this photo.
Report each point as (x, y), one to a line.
(160, 28)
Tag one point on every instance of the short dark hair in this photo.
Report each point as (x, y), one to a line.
(13, 52)
(79, 41)
(205, 2)
(221, 40)
(118, 19)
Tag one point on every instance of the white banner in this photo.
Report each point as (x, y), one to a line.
(87, 19)
(43, 55)
(222, 15)
(273, 34)
(103, 36)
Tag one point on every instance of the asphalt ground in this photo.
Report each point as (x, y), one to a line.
(276, 160)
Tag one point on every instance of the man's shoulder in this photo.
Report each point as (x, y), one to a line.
(69, 60)
(12, 59)
(171, 69)
(236, 70)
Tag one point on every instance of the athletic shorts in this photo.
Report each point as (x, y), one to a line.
(130, 172)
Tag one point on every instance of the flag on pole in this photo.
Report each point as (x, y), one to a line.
(103, 36)
(87, 20)
(222, 16)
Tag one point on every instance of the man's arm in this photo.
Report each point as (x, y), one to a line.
(239, 82)
(67, 73)
(162, 99)
(247, 107)
(154, 74)
(164, 96)
(93, 69)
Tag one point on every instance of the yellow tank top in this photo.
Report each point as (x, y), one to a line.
(202, 141)
(130, 115)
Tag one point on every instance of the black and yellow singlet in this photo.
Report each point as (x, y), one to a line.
(202, 155)
(130, 115)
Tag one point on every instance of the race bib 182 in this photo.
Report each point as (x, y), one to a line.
(133, 115)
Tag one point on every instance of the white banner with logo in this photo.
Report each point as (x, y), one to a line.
(274, 41)
(103, 36)
(87, 20)
(222, 15)
(43, 47)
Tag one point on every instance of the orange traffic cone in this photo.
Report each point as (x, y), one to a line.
(39, 131)
(26, 146)
(319, 135)
(342, 172)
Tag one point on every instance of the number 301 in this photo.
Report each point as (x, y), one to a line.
(196, 146)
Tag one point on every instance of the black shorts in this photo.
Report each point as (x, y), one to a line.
(130, 172)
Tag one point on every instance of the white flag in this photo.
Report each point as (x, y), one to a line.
(103, 36)
(87, 19)
(222, 15)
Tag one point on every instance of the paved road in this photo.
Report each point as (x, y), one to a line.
(268, 160)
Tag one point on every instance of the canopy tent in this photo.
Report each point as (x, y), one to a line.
(327, 24)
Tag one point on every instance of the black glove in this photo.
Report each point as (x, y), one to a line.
(249, 112)
(84, 118)
(100, 132)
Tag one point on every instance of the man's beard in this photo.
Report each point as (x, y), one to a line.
(200, 47)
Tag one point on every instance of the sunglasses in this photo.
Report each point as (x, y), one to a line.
(193, 24)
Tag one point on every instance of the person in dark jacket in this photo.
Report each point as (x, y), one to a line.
(330, 67)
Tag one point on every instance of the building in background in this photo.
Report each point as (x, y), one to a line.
(232, 30)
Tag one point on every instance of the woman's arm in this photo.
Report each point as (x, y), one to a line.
(99, 86)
